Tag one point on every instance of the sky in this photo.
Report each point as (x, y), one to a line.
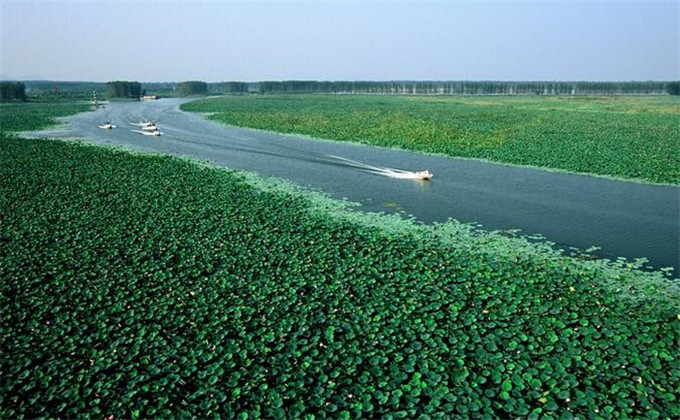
(340, 40)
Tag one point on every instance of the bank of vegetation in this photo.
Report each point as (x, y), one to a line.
(146, 286)
(623, 137)
(29, 116)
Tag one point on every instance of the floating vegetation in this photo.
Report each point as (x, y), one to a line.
(623, 137)
(36, 115)
(147, 286)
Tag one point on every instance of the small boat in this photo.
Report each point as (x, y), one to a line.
(424, 175)
(152, 127)
(107, 126)
(401, 174)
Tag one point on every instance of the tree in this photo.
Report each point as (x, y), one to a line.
(229, 87)
(470, 87)
(122, 89)
(193, 87)
(12, 91)
(673, 88)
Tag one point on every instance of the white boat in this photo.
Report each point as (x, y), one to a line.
(401, 174)
(107, 126)
(424, 175)
(152, 127)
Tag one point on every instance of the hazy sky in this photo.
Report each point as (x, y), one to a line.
(341, 40)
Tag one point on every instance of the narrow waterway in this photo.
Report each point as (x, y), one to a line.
(625, 219)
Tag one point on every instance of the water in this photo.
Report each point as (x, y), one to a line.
(625, 219)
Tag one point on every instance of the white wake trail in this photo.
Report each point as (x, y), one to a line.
(385, 171)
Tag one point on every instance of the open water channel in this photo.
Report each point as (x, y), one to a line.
(625, 219)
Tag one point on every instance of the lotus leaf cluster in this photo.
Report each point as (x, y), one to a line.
(142, 286)
(35, 115)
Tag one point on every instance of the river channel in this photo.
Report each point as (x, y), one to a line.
(625, 219)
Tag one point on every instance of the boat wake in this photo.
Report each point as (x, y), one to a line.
(146, 123)
(147, 133)
(385, 171)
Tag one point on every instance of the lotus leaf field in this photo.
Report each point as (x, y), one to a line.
(622, 137)
(36, 115)
(148, 286)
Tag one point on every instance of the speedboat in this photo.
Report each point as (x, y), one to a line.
(107, 126)
(401, 174)
(424, 175)
(152, 127)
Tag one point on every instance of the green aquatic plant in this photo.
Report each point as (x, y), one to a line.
(29, 116)
(147, 286)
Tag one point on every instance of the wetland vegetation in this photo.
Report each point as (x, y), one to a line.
(29, 116)
(149, 286)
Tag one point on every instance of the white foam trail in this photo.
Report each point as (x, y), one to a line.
(142, 124)
(148, 133)
(385, 171)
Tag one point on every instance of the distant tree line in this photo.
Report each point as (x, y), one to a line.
(673, 88)
(156, 86)
(123, 89)
(229, 87)
(51, 86)
(192, 87)
(12, 91)
(467, 87)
